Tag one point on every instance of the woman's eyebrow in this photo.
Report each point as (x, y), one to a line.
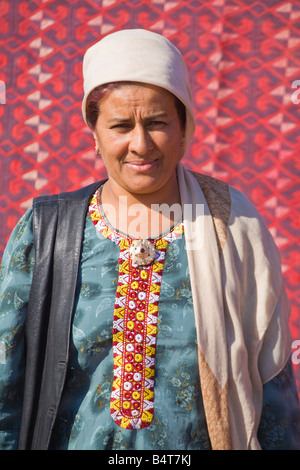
(150, 117)
(153, 117)
(120, 120)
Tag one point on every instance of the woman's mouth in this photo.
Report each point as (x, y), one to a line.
(141, 166)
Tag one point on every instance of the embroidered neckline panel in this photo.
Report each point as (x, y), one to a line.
(134, 324)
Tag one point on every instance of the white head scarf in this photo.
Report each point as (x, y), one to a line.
(142, 56)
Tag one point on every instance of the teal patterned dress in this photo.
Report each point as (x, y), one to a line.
(85, 417)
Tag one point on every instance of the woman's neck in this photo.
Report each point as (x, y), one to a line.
(141, 215)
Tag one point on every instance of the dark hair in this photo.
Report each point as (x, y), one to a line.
(95, 96)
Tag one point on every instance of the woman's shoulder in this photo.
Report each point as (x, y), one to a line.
(23, 227)
(233, 212)
(224, 198)
(19, 250)
(77, 194)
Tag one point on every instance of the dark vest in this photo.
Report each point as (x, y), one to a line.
(58, 226)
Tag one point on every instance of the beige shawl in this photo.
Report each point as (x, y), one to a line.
(240, 304)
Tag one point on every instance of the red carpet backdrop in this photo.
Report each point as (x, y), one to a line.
(244, 62)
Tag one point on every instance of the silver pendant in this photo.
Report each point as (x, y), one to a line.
(142, 252)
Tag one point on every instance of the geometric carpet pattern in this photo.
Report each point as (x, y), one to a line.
(244, 63)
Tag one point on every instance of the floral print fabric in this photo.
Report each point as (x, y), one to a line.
(84, 417)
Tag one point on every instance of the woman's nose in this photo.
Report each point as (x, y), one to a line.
(140, 140)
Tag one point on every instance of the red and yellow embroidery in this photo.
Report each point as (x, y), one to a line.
(134, 325)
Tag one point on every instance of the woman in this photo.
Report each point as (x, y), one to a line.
(146, 311)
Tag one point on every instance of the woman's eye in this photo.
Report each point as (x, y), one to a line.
(157, 123)
(121, 126)
(128, 126)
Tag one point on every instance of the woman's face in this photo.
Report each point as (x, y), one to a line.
(139, 135)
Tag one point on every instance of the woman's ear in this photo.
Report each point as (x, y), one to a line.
(97, 150)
